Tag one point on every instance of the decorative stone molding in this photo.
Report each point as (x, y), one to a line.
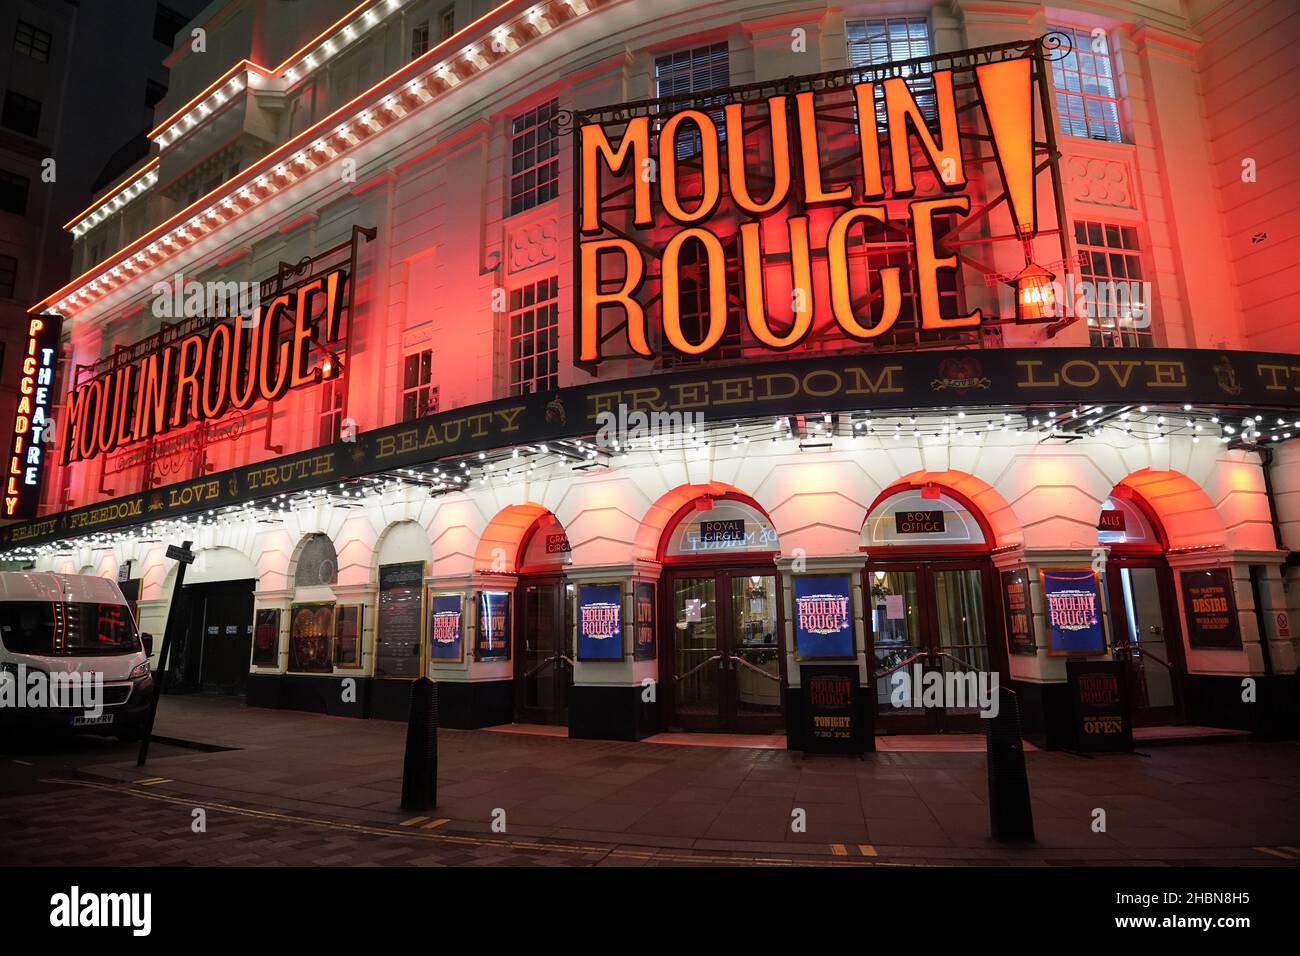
(532, 244)
(1102, 182)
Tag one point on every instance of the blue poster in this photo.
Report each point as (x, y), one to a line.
(600, 622)
(823, 626)
(1072, 607)
(444, 628)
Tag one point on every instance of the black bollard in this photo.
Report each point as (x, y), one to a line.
(420, 768)
(1010, 815)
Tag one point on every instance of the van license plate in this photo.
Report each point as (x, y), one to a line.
(92, 721)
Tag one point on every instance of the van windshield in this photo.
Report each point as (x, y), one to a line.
(76, 628)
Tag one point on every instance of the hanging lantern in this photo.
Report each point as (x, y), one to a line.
(1035, 297)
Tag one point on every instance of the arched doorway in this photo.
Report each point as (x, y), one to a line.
(723, 655)
(1143, 614)
(931, 607)
(544, 624)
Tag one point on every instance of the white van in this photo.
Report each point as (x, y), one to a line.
(63, 630)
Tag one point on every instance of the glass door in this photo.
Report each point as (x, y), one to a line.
(930, 640)
(1137, 596)
(725, 653)
(545, 661)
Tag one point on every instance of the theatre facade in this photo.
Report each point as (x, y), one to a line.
(807, 371)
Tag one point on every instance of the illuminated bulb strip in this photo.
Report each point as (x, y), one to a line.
(113, 203)
(351, 132)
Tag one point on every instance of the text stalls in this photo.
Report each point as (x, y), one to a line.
(230, 364)
(613, 267)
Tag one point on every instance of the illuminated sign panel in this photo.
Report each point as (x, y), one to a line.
(226, 364)
(790, 210)
(33, 430)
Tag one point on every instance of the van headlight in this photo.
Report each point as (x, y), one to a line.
(139, 671)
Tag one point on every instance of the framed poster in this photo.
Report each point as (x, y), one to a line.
(446, 636)
(492, 642)
(266, 637)
(1015, 609)
(644, 647)
(1210, 607)
(1072, 606)
(311, 635)
(347, 635)
(832, 709)
(1100, 700)
(399, 632)
(600, 622)
(823, 624)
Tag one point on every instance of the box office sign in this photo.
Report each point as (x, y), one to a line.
(919, 522)
(1015, 610)
(221, 365)
(446, 634)
(780, 387)
(823, 622)
(1102, 710)
(32, 441)
(398, 637)
(800, 180)
(1072, 608)
(492, 642)
(1210, 608)
(600, 622)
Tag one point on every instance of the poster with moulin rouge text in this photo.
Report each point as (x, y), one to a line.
(823, 626)
(445, 643)
(600, 622)
(1072, 606)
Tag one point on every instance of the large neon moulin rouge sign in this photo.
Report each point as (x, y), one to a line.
(220, 366)
(784, 202)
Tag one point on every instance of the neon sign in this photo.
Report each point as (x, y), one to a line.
(33, 429)
(812, 189)
(231, 364)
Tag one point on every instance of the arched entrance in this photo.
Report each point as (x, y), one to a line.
(723, 655)
(931, 604)
(543, 625)
(1143, 613)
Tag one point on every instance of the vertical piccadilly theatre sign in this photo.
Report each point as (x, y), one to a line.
(840, 205)
(33, 435)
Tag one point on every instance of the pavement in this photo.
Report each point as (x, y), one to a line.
(295, 788)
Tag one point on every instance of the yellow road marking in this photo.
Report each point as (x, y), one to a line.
(434, 823)
(866, 849)
(25, 763)
(839, 849)
(617, 852)
(1277, 853)
(153, 781)
(1289, 849)
(412, 822)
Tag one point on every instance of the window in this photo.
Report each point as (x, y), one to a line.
(1111, 265)
(534, 158)
(153, 93)
(419, 394)
(32, 41)
(331, 412)
(13, 192)
(318, 563)
(1084, 80)
(446, 22)
(534, 337)
(166, 24)
(877, 42)
(8, 276)
(22, 114)
(693, 71)
(419, 38)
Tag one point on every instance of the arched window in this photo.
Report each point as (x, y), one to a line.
(547, 546)
(1123, 522)
(909, 518)
(318, 564)
(729, 526)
